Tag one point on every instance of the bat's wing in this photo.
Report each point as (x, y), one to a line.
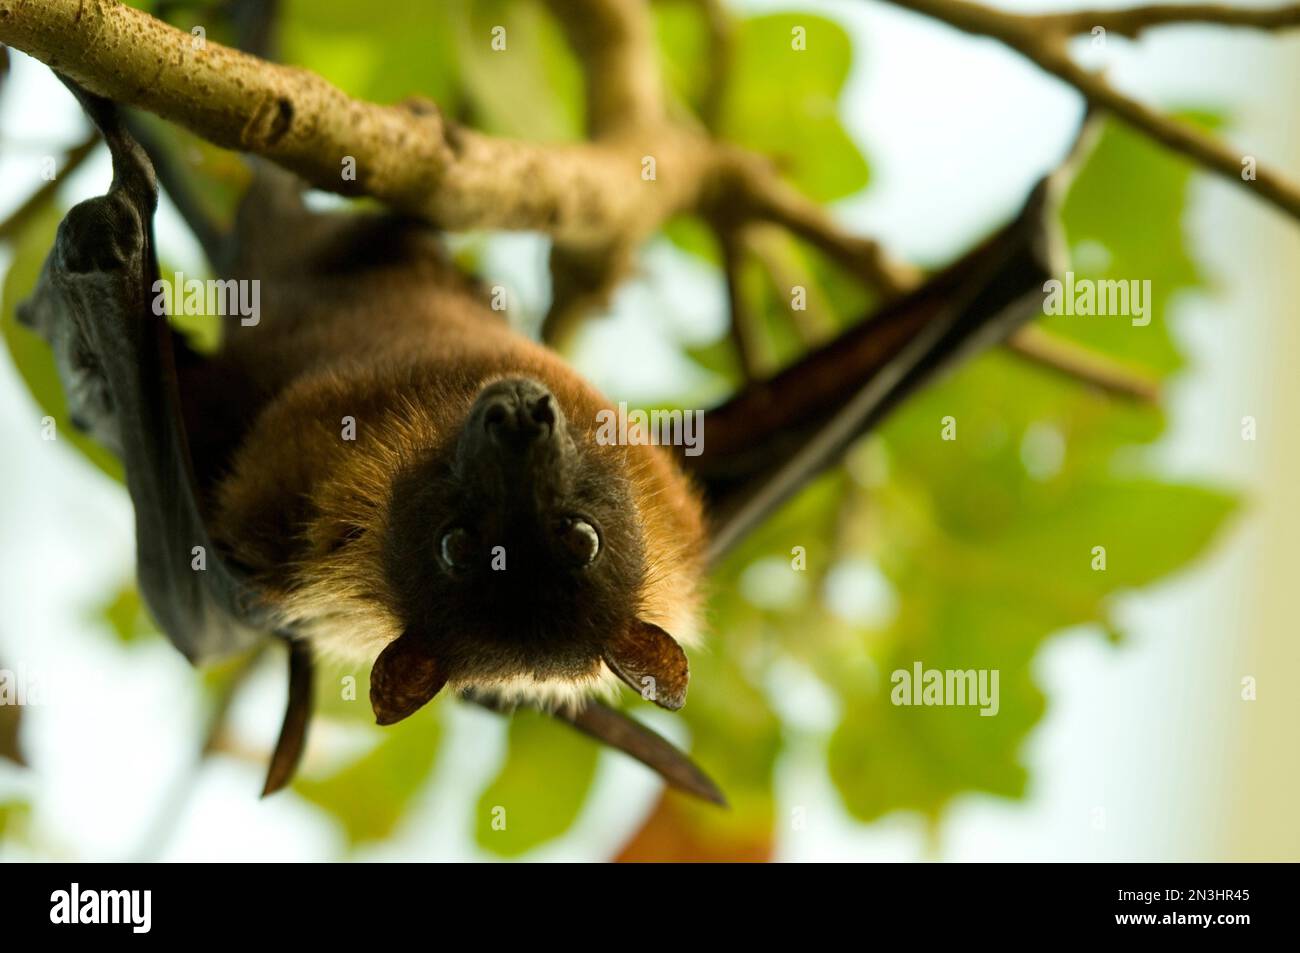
(772, 437)
(94, 304)
(613, 728)
(617, 730)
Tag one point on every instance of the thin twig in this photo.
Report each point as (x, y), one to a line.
(721, 31)
(72, 160)
(742, 325)
(762, 196)
(773, 249)
(1047, 48)
(615, 44)
(1134, 20)
(1082, 364)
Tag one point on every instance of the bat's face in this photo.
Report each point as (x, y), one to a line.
(517, 556)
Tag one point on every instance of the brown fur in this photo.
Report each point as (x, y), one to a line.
(370, 322)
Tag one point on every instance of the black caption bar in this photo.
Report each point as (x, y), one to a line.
(219, 903)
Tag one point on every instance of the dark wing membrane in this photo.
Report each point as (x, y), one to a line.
(774, 436)
(93, 303)
(613, 728)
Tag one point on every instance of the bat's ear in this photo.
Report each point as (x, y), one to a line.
(650, 661)
(405, 677)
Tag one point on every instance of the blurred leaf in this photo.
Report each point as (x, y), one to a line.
(533, 88)
(1124, 221)
(13, 818)
(370, 796)
(988, 539)
(683, 44)
(11, 717)
(126, 615)
(541, 787)
(29, 353)
(737, 738)
(343, 691)
(989, 605)
(984, 541)
(691, 235)
(1148, 528)
(216, 177)
(718, 357)
(736, 735)
(784, 102)
(201, 329)
(675, 833)
(384, 53)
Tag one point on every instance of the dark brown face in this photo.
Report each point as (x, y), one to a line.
(515, 551)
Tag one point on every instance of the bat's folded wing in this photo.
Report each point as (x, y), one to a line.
(93, 303)
(774, 436)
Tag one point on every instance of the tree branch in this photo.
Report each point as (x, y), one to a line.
(18, 219)
(613, 39)
(761, 196)
(613, 42)
(422, 164)
(721, 31)
(742, 327)
(1082, 364)
(1134, 20)
(590, 197)
(773, 249)
(1042, 43)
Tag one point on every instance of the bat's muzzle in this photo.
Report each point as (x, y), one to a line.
(516, 438)
(515, 414)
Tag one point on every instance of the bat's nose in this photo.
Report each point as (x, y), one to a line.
(519, 412)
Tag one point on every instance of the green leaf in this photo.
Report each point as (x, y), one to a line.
(691, 235)
(1148, 528)
(989, 604)
(985, 542)
(784, 102)
(1124, 221)
(736, 735)
(11, 717)
(370, 796)
(126, 615)
(383, 53)
(541, 787)
(683, 43)
(531, 89)
(14, 816)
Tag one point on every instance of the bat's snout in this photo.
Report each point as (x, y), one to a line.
(516, 414)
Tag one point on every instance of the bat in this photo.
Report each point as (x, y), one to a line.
(377, 468)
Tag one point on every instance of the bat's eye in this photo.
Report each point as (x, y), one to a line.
(456, 549)
(580, 540)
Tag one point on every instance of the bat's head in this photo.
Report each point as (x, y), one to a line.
(518, 558)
